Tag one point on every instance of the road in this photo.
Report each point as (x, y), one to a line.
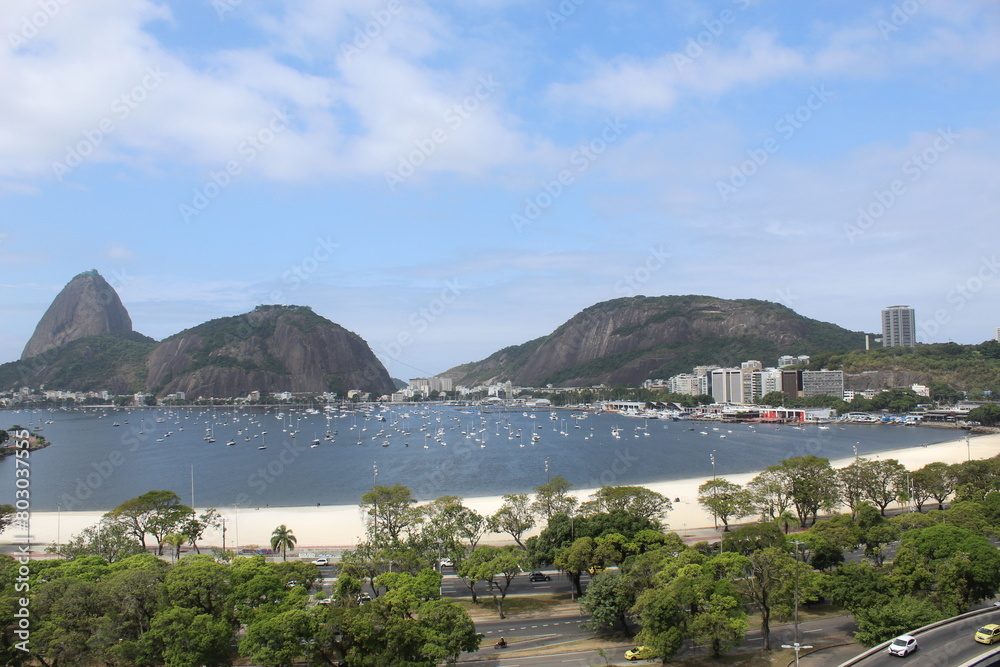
(951, 644)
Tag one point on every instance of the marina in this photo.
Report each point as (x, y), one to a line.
(251, 456)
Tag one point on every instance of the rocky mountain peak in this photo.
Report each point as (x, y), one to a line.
(87, 306)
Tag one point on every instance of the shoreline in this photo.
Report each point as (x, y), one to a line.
(342, 526)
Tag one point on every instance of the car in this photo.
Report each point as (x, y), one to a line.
(594, 569)
(447, 562)
(364, 597)
(321, 561)
(539, 576)
(640, 653)
(903, 645)
(988, 634)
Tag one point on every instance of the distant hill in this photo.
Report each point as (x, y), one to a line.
(628, 340)
(85, 342)
(112, 361)
(972, 368)
(271, 349)
(86, 306)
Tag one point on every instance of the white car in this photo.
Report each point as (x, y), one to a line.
(447, 562)
(321, 561)
(903, 645)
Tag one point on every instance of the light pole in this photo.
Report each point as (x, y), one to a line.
(237, 525)
(968, 447)
(797, 543)
(58, 522)
(856, 450)
(796, 647)
(715, 517)
(546, 470)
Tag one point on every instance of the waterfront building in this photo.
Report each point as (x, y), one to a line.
(726, 385)
(899, 327)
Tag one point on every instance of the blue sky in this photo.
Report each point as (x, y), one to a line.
(449, 178)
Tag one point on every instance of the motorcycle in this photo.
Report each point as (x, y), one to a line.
(501, 644)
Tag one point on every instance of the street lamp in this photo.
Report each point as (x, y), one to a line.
(797, 543)
(715, 517)
(796, 647)
(968, 447)
(546, 470)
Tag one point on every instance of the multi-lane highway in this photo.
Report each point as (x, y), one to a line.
(947, 645)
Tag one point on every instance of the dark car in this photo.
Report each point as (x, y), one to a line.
(539, 576)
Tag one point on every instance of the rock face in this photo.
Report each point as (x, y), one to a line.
(626, 341)
(87, 306)
(271, 349)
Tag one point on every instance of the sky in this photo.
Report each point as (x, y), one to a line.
(449, 178)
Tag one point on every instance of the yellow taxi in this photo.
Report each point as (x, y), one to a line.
(640, 653)
(988, 634)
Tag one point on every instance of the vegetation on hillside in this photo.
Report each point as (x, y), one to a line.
(85, 364)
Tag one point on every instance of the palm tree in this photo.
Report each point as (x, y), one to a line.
(175, 540)
(282, 538)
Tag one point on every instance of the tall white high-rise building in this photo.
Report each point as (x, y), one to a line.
(899, 327)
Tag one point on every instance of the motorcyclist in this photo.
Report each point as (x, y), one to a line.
(502, 643)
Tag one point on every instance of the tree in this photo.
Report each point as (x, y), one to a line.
(987, 415)
(514, 517)
(892, 618)
(195, 527)
(553, 498)
(725, 500)
(175, 540)
(156, 513)
(882, 481)
(938, 479)
(391, 511)
(662, 621)
(722, 624)
(937, 546)
(497, 566)
(813, 485)
(636, 500)
(767, 583)
(278, 639)
(110, 541)
(852, 481)
(185, 638)
(608, 600)
(770, 493)
(748, 539)
(282, 540)
(575, 559)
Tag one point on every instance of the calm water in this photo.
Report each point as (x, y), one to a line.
(434, 450)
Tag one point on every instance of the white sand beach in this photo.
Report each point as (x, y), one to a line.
(340, 526)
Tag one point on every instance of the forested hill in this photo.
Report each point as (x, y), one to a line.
(625, 341)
